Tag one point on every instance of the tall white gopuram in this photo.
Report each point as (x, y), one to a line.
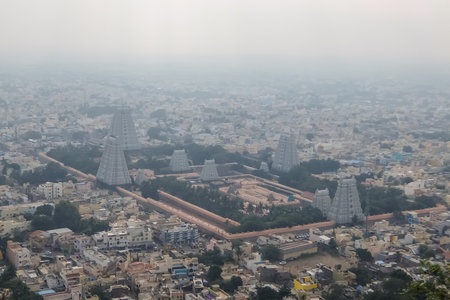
(113, 168)
(209, 171)
(286, 155)
(179, 161)
(322, 201)
(122, 127)
(346, 204)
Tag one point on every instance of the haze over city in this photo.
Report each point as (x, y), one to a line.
(197, 150)
(369, 32)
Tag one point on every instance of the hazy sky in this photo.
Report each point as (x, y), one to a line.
(388, 31)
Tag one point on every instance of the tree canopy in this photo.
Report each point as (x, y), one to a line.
(363, 276)
(271, 252)
(214, 273)
(267, 293)
(232, 284)
(279, 216)
(52, 172)
(300, 177)
(214, 257)
(364, 255)
(67, 215)
(211, 200)
(45, 209)
(83, 158)
(35, 135)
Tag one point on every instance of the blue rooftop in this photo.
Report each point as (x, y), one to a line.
(45, 292)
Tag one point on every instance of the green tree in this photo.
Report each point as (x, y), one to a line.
(425, 252)
(227, 286)
(212, 257)
(18, 235)
(150, 190)
(407, 149)
(45, 209)
(100, 292)
(54, 172)
(42, 222)
(35, 135)
(267, 293)
(271, 252)
(8, 274)
(214, 273)
(83, 158)
(22, 292)
(394, 285)
(92, 225)
(155, 133)
(238, 251)
(364, 255)
(400, 274)
(284, 291)
(236, 281)
(336, 292)
(67, 215)
(406, 180)
(362, 275)
(232, 284)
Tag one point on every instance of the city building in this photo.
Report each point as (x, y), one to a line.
(51, 190)
(184, 234)
(130, 234)
(292, 250)
(17, 255)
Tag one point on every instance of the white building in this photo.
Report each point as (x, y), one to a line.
(97, 257)
(133, 233)
(17, 255)
(116, 238)
(82, 242)
(51, 190)
(139, 235)
(184, 234)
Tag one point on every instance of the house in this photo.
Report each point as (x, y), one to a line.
(17, 255)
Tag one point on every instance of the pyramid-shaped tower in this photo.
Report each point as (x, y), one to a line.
(122, 127)
(346, 202)
(113, 168)
(286, 155)
(209, 171)
(322, 201)
(179, 161)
